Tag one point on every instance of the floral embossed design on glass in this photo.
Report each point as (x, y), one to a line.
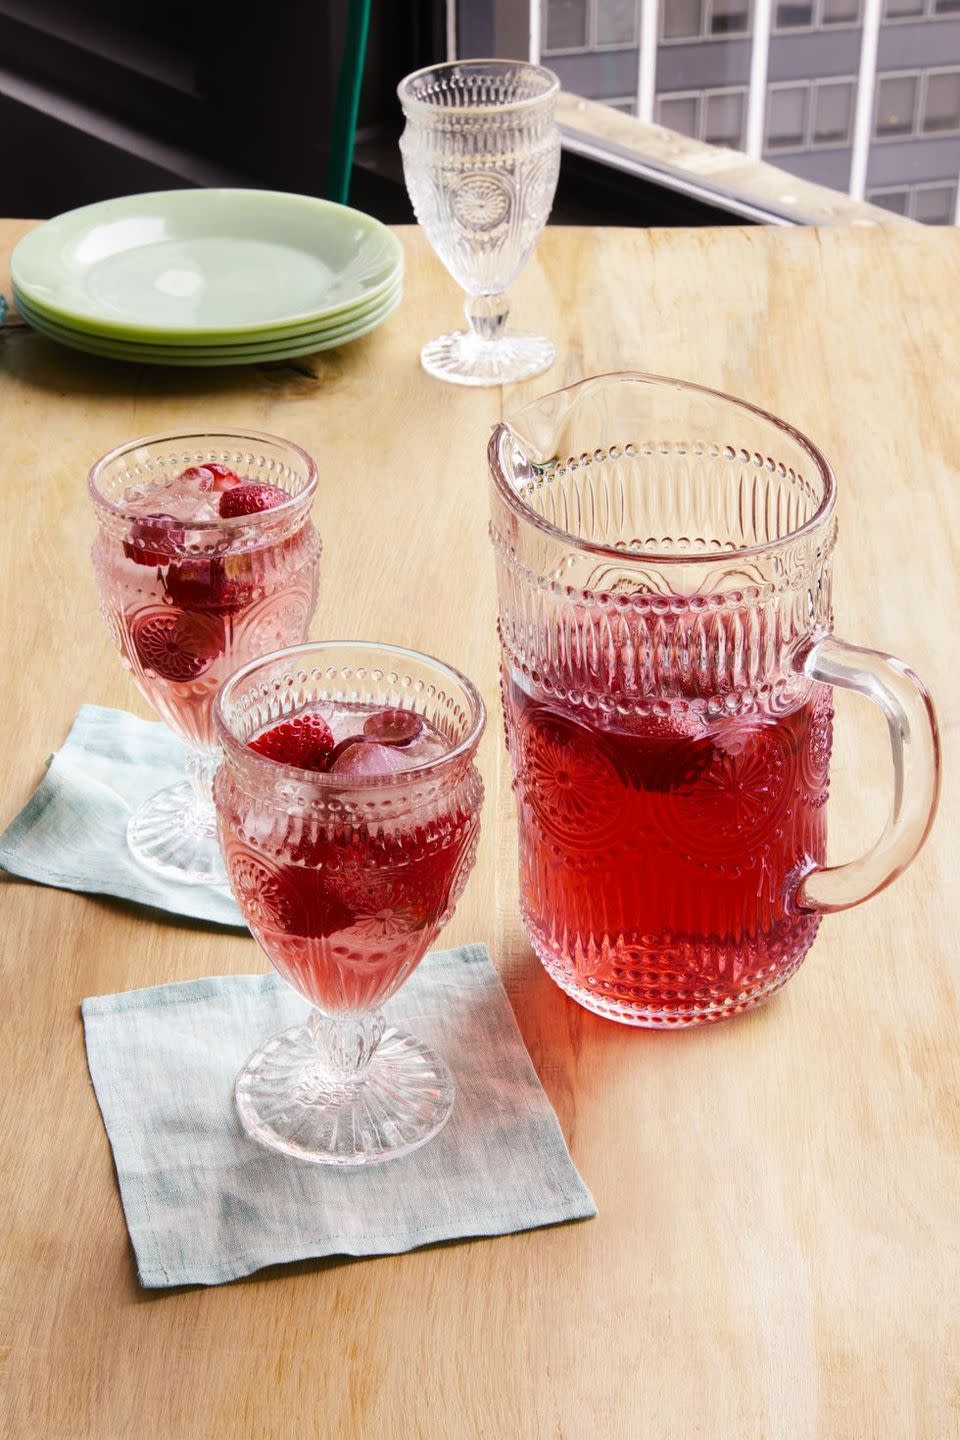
(205, 558)
(349, 814)
(481, 157)
(664, 558)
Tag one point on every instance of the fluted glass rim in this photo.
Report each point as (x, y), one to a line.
(412, 104)
(507, 492)
(232, 745)
(277, 513)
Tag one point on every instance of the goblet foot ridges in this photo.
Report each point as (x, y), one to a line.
(462, 358)
(174, 834)
(289, 1099)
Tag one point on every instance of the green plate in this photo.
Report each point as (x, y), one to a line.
(28, 308)
(332, 331)
(205, 266)
(336, 326)
(327, 339)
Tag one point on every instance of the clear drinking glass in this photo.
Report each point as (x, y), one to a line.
(346, 879)
(664, 557)
(481, 156)
(188, 599)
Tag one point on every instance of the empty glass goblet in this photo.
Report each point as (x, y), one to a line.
(205, 557)
(349, 810)
(481, 156)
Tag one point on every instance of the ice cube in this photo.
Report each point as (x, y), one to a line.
(206, 509)
(367, 760)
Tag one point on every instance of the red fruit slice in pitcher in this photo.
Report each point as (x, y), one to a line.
(570, 780)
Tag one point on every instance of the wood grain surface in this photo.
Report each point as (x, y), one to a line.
(776, 1253)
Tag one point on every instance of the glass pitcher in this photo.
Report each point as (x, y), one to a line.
(664, 559)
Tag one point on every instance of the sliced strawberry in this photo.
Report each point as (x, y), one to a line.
(250, 500)
(660, 756)
(385, 904)
(305, 740)
(223, 477)
(176, 645)
(153, 540)
(326, 911)
(206, 585)
(269, 894)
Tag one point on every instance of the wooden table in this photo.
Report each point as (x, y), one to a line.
(776, 1252)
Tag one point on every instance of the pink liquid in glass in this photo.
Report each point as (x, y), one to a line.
(347, 908)
(184, 620)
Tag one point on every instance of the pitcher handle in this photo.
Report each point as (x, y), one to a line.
(915, 747)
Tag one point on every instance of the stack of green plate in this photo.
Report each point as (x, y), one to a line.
(208, 277)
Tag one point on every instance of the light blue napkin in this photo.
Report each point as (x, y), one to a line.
(72, 832)
(204, 1203)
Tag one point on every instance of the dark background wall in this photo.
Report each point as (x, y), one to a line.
(111, 97)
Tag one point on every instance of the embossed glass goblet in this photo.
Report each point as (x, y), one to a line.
(188, 594)
(346, 875)
(481, 156)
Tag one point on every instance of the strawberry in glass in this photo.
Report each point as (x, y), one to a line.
(205, 558)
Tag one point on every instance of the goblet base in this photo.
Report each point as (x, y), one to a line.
(289, 1099)
(174, 834)
(464, 358)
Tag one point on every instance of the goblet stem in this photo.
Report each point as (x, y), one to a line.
(487, 315)
(174, 833)
(201, 766)
(346, 1042)
(487, 353)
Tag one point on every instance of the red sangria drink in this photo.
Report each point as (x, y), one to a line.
(348, 805)
(659, 852)
(205, 558)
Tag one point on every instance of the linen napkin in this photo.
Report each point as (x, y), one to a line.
(72, 832)
(205, 1204)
